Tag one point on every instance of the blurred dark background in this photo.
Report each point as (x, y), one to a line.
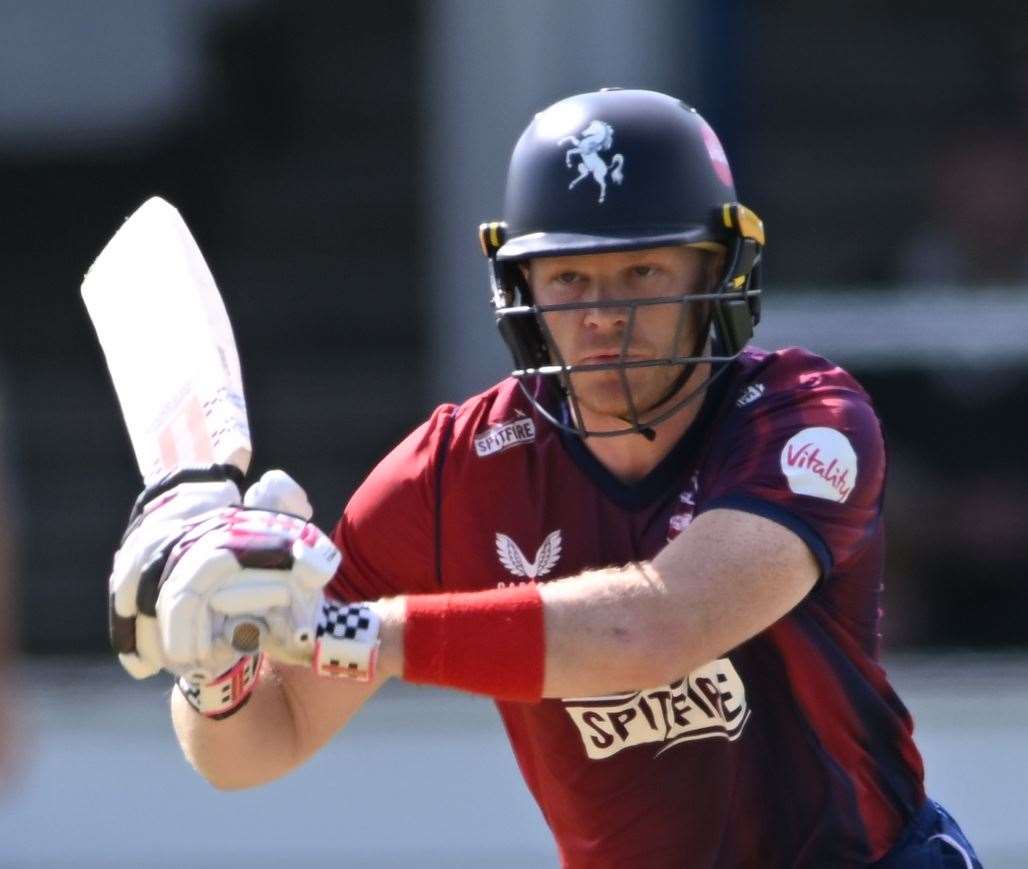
(334, 160)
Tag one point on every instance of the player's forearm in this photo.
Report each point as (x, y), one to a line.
(725, 579)
(291, 713)
(609, 630)
(256, 744)
(638, 626)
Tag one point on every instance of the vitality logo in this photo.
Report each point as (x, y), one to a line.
(820, 462)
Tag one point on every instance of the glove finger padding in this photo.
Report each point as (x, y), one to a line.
(123, 617)
(315, 559)
(155, 524)
(252, 592)
(187, 637)
(277, 491)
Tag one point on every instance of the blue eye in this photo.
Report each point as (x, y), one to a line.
(644, 271)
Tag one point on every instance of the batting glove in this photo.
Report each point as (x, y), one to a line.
(243, 581)
(168, 520)
(162, 515)
(221, 585)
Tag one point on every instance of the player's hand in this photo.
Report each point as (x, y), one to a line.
(251, 580)
(163, 515)
(252, 577)
(221, 585)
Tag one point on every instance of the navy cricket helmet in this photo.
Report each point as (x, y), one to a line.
(618, 170)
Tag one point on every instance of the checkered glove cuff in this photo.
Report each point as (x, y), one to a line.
(347, 641)
(225, 695)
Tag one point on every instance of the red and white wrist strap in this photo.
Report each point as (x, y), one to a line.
(347, 641)
(226, 694)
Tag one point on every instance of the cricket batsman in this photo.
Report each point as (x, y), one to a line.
(659, 549)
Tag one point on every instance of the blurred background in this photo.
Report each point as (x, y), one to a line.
(333, 161)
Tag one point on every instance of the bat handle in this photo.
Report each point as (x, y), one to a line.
(246, 634)
(250, 634)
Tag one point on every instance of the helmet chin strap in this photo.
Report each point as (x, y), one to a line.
(672, 390)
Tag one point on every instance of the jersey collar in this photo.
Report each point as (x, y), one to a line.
(668, 473)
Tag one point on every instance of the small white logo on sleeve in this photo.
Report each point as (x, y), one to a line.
(750, 394)
(820, 462)
(504, 435)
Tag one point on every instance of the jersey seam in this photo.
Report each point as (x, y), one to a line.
(441, 454)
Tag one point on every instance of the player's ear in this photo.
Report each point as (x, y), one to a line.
(714, 267)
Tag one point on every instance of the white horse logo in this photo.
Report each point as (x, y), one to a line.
(594, 139)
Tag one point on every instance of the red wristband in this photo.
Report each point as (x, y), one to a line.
(489, 642)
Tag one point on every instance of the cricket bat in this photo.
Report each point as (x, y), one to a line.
(169, 346)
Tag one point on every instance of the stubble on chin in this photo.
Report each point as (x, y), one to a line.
(607, 397)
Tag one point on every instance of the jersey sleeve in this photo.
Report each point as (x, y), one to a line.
(812, 460)
(387, 531)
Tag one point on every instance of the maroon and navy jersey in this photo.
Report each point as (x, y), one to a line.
(791, 749)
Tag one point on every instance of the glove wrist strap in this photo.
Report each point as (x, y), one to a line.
(227, 694)
(347, 641)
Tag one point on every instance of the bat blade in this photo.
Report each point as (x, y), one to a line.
(169, 346)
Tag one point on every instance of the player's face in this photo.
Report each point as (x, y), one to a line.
(595, 335)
